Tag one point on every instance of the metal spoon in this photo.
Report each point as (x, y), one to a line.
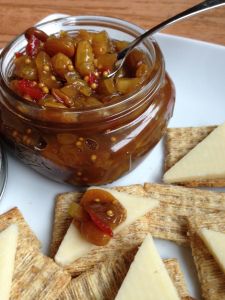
(205, 5)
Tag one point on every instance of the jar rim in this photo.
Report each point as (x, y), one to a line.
(108, 22)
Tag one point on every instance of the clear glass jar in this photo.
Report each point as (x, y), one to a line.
(92, 146)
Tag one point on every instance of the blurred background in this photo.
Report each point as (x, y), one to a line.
(17, 15)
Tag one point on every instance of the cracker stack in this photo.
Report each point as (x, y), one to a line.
(179, 210)
(168, 221)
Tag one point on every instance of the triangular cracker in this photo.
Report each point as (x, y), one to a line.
(178, 142)
(211, 277)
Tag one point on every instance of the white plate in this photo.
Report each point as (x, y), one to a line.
(198, 71)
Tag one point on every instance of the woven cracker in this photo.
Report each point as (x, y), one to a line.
(177, 277)
(104, 281)
(26, 235)
(168, 221)
(178, 142)
(211, 277)
(62, 219)
(178, 203)
(37, 277)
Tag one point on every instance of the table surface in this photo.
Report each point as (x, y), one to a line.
(17, 15)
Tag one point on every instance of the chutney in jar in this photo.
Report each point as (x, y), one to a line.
(61, 115)
(71, 71)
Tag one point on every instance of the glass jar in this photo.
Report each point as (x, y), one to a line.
(92, 146)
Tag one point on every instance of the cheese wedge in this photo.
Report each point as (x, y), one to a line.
(74, 246)
(215, 242)
(205, 161)
(147, 278)
(8, 245)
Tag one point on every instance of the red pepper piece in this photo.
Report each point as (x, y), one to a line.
(92, 78)
(33, 46)
(41, 35)
(27, 87)
(99, 223)
(18, 54)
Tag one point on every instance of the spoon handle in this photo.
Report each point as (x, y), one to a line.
(205, 5)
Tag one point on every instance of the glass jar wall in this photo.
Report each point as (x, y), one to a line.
(91, 146)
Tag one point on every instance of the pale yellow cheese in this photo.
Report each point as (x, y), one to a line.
(215, 242)
(8, 245)
(205, 161)
(147, 278)
(75, 246)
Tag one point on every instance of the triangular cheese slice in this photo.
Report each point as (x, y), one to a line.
(8, 245)
(205, 161)
(215, 242)
(75, 246)
(147, 278)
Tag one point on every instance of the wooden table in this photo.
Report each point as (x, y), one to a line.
(17, 15)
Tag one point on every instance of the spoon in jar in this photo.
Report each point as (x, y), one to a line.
(122, 55)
